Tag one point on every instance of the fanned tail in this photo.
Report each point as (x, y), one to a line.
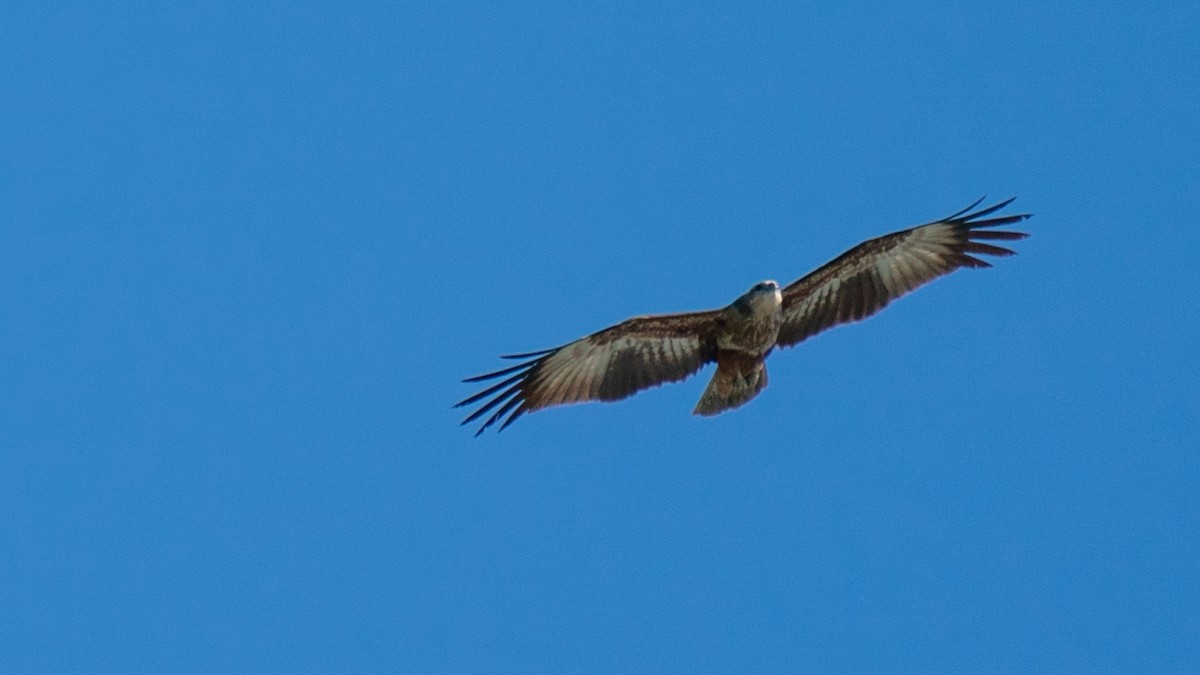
(739, 378)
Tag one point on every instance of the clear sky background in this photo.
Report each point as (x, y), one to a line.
(247, 253)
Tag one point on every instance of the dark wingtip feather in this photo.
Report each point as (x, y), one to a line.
(973, 219)
(513, 417)
(994, 235)
(971, 261)
(528, 355)
(995, 222)
(501, 412)
(987, 249)
(489, 391)
(973, 204)
(500, 398)
(504, 394)
(976, 224)
(499, 373)
(988, 210)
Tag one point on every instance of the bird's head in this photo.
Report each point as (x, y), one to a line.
(767, 286)
(762, 297)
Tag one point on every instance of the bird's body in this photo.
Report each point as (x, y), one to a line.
(648, 351)
(748, 330)
(752, 321)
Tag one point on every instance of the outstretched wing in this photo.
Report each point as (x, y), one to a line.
(866, 278)
(610, 365)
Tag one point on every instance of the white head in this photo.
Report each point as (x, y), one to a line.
(768, 286)
(764, 295)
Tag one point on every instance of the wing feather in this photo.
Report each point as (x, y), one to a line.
(610, 365)
(866, 278)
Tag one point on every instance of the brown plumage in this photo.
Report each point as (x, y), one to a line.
(648, 351)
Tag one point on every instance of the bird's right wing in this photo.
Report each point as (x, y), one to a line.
(610, 365)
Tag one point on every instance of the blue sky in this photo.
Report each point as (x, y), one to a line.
(249, 252)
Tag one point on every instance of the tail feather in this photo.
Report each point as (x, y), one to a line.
(738, 379)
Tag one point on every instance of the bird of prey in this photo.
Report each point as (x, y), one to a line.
(647, 351)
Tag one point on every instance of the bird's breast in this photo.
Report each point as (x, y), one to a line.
(753, 333)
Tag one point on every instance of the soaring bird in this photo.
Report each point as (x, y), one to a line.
(647, 351)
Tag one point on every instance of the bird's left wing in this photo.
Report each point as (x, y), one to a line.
(610, 365)
(866, 278)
